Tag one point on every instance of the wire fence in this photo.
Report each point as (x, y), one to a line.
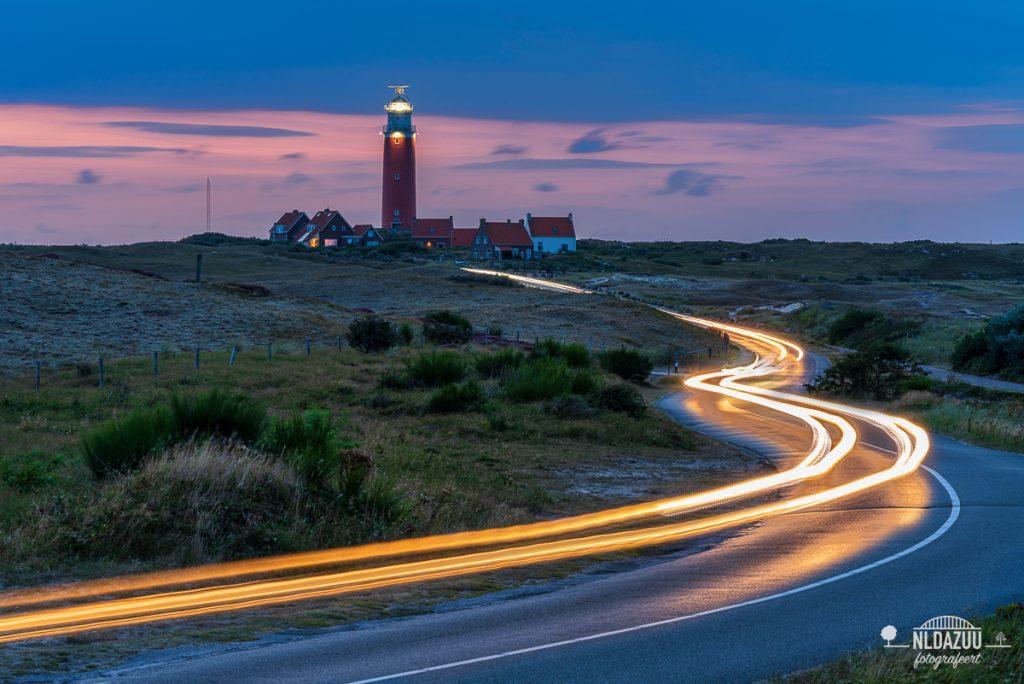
(677, 360)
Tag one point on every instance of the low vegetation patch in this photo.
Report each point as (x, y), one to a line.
(621, 398)
(879, 372)
(996, 349)
(436, 368)
(629, 364)
(539, 379)
(468, 396)
(500, 363)
(446, 327)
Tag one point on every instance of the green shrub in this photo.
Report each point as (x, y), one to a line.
(307, 442)
(120, 445)
(546, 348)
(454, 398)
(499, 363)
(436, 368)
(628, 364)
(998, 348)
(917, 383)
(576, 355)
(371, 334)
(446, 327)
(621, 398)
(29, 471)
(584, 382)
(405, 334)
(539, 379)
(218, 414)
(852, 321)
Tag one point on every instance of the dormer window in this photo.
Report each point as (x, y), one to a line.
(397, 213)
(398, 176)
(431, 229)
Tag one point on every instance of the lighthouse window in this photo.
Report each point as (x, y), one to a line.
(397, 213)
(398, 176)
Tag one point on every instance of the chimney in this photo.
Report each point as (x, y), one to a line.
(570, 217)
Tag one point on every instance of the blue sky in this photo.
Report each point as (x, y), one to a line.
(774, 70)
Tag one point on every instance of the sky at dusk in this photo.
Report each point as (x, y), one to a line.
(734, 120)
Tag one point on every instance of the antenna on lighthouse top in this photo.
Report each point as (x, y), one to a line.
(399, 89)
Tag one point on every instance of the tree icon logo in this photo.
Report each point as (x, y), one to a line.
(888, 633)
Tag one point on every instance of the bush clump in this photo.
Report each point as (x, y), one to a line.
(575, 355)
(405, 334)
(996, 349)
(453, 398)
(436, 368)
(628, 364)
(29, 471)
(539, 379)
(499, 363)
(217, 414)
(621, 398)
(446, 327)
(584, 382)
(371, 334)
(120, 445)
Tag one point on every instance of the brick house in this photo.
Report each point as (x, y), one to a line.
(502, 240)
(433, 232)
(462, 238)
(551, 234)
(328, 228)
(289, 227)
(367, 236)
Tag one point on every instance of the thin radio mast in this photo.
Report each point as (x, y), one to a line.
(207, 205)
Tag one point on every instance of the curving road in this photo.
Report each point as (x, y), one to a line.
(786, 593)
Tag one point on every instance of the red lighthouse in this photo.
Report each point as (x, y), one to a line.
(399, 191)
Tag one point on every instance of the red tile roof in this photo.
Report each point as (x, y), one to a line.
(361, 228)
(463, 237)
(289, 218)
(551, 226)
(322, 218)
(432, 228)
(506, 233)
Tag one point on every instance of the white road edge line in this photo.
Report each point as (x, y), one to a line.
(954, 513)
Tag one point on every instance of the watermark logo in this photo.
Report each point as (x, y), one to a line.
(946, 640)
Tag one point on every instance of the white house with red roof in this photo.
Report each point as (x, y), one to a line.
(551, 234)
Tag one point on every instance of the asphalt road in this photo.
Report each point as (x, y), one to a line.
(783, 595)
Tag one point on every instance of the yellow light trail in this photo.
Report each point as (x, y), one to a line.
(772, 355)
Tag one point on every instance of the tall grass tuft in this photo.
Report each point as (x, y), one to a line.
(539, 379)
(120, 445)
(436, 368)
(453, 398)
(500, 363)
(306, 441)
(218, 414)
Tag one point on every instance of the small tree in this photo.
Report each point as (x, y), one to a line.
(371, 334)
(628, 364)
(446, 327)
(877, 372)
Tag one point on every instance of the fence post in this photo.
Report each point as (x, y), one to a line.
(156, 364)
(231, 360)
(39, 371)
(199, 267)
(270, 351)
(197, 358)
(307, 346)
(101, 373)
(339, 342)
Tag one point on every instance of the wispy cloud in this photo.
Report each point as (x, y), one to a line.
(693, 183)
(989, 138)
(99, 151)
(509, 149)
(215, 130)
(547, 186)
(532, 164)
(293, 155)
(593, 141)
